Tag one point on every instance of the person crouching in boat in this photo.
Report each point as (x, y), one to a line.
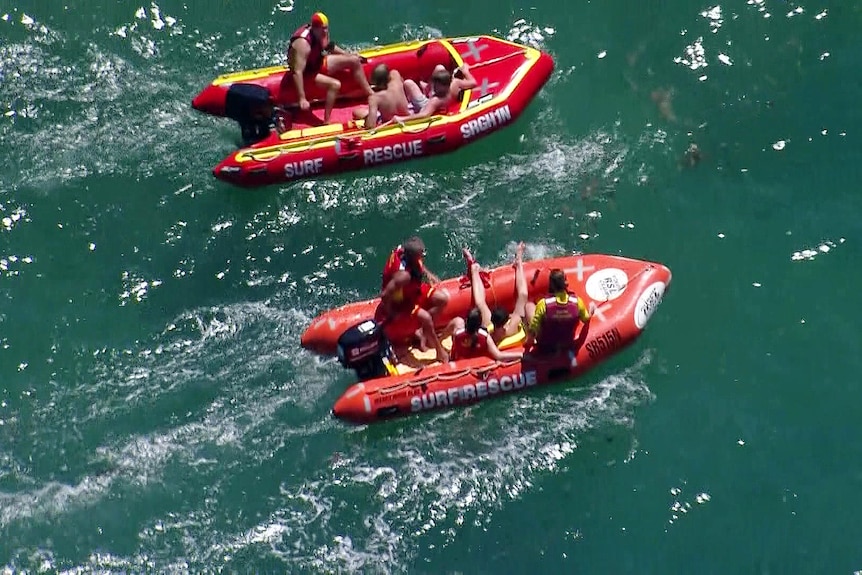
(471, 340)
(408, 296)
(435, 97)
(388, 98)
(308, 63)
(500, 323)
(554, 319)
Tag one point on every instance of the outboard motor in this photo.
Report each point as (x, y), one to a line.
(251, 106)
(365, 349)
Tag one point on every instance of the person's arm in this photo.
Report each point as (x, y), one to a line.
(398, 280)
(333, 48)
(495, 353)
(301, 49)
(432, 278)
(582, 336)
(371, 118)
(585, 314)
(535, 324)
(426, 111)
(466, 83)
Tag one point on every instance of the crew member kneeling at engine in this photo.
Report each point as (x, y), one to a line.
(555, 318)
(471, 340)
(408, 296)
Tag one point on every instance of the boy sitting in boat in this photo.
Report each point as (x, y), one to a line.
(387, 100)
(431, 98)
(553, 319)
(408, 296)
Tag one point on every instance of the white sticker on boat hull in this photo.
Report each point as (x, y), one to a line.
(647, 303)
(606, 284)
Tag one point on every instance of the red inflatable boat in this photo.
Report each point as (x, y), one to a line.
(509, 76)
(625, 291)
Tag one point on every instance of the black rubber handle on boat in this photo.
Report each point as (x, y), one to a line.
(439, 139)
(346, 157)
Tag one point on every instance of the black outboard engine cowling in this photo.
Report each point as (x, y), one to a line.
(365, 349)
(251, 106)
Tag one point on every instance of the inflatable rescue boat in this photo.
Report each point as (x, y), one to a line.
(625, 291)
(509, 76)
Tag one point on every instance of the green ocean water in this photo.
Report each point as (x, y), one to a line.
(158, 415)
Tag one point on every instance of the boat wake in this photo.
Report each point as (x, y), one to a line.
(369, 503)
(434, 476)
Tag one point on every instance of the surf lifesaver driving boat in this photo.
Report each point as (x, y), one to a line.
(509, 76)
(626, 292)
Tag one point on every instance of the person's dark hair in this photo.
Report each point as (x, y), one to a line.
(499, 317)
(473, 324)
(557, 282)
(414, 248)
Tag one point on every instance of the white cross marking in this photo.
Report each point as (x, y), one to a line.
(599, 311)
(485, 87)
(476, 51)
(580, 269)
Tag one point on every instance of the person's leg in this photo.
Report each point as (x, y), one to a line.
(432, 302)
(477, 287)
(437, 300)
(360, 112)
(454, 325)
(520, 312)
(529, 312)
(332, 87)
(350, 62)
(427, 323)
(412, 90)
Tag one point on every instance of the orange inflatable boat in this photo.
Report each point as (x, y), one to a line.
(625, 291)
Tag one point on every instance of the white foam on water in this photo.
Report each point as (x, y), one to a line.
(715, 18)
(528, 33)
(37, 560)
(103, 134)
(12, 217)
(431, 475)
(369, 509)
(51, 499)
(682, 504)
(283, 6)
(694, 55)
(208, 441)
(809, 254)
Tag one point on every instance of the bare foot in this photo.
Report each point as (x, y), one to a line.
(468, 257)
(421, 343)
(519, 253)
(442, 356)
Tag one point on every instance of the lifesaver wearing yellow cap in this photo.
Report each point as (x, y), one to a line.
(319, 19)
